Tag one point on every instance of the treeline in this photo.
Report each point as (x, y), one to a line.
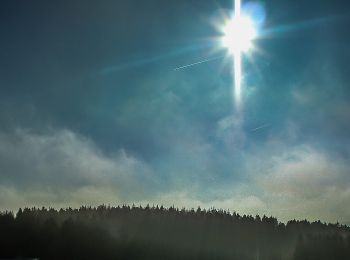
(165, 233)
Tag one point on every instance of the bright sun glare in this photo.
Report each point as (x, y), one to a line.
(239, 32)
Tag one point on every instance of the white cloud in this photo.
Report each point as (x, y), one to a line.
(303, 182)
(63, 168)
(238, 203)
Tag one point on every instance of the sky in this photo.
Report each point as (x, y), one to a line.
(93, 109)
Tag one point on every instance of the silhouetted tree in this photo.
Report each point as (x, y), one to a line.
(125, 232)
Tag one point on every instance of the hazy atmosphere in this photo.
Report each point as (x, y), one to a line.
(133, 102)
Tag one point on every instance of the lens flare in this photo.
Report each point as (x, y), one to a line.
(239, 32)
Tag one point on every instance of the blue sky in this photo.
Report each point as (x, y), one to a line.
(92, 110)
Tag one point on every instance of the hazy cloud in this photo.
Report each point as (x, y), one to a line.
(302, 182)
(61, 167)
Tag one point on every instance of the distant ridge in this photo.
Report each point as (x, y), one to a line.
(156, 232)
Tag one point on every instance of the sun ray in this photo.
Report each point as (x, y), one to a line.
(237, 78)
(238, 33)
(237, 63)
(237, 8)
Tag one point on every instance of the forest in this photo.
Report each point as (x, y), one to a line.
(156, 232)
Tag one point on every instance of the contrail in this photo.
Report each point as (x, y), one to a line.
(196, 63)
(260, 127)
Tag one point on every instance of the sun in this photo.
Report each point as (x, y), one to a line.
(239, 31)
(238, 34)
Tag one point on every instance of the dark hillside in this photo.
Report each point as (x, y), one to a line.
(159, 233)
